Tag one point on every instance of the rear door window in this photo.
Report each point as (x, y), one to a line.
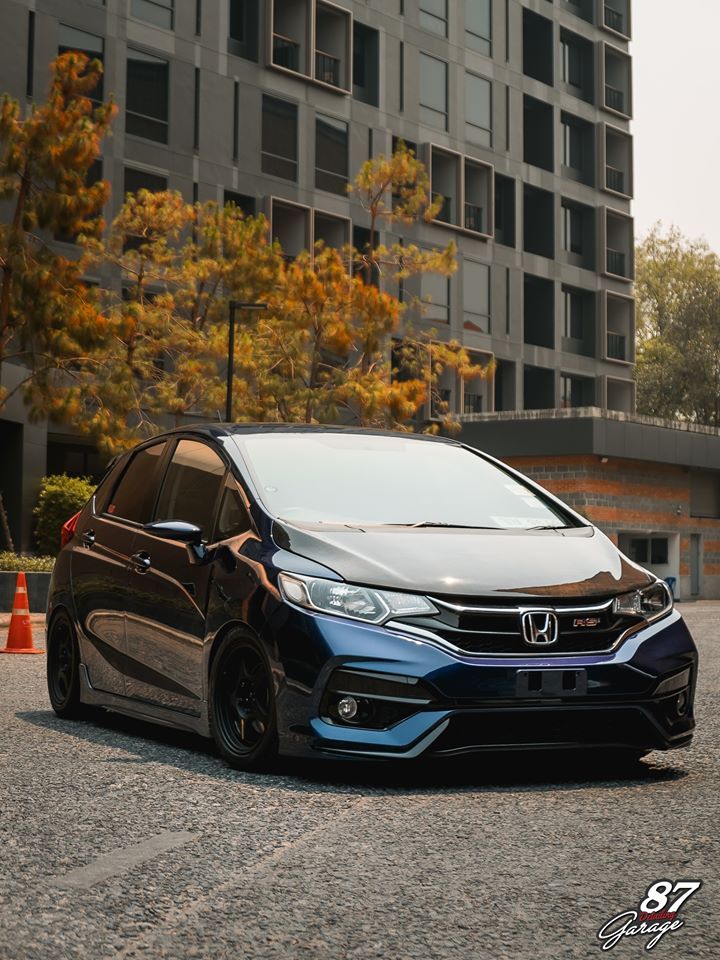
(192, 485)
(134, 496)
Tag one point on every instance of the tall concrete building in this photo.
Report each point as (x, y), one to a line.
(521, 111)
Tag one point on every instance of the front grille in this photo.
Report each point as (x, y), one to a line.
(480, 627)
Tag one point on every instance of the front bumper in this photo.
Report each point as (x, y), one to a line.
(640, 696)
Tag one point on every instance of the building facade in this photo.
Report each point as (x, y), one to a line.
(520, 111)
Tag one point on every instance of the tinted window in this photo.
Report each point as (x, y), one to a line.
(70, 38)
(146, 112)
(192, 484)
(362, 478)
(232, 518)
(135, 494)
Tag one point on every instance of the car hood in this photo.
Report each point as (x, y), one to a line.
(578, 562)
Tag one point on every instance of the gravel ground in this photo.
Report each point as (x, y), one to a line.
(177, 857)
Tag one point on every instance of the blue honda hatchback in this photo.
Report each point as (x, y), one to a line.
(344, 592)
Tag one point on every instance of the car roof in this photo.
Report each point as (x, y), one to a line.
(217, 430)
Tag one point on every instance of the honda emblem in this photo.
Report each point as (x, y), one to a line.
(540, 627)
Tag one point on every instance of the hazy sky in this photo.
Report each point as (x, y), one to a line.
(676, 101)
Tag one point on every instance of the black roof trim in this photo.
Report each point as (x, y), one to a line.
(215, 430)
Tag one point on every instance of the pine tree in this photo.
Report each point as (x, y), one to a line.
(50, 321)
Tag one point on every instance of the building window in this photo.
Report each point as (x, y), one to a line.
(572, 229)
(196, 110)
(236, 120)
(578, 148)
(577, 57)
(476, 295)
(435, 297)
(433, 91)
(279, 138)
(572, 146)
(332, 46)
(157, 12)
(30, 65)
(572, 63)
(243, 34)
(576, 391)
(366, 63)
(478, 25)
(242, 201)
(331, 155)
(70, 38)
(136, 180)
(434, 16)
(478, 109)
(573, 325)
(147, 96)
(653, 550)
(504, 210)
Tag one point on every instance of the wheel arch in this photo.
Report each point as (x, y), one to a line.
(217, 640)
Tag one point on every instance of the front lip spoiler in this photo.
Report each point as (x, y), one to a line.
(662, 741)
(414, 751)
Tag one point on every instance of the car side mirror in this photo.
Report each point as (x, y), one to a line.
(182, 532)
(175, 530)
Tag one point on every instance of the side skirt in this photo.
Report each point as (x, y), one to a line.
(141, 710)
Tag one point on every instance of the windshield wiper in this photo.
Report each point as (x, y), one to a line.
(440, 523)
(550, 526)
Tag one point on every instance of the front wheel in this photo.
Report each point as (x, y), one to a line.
(242, 714)
(63, 669)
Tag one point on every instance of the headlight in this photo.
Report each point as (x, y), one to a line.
(650, 603)
(348, 600)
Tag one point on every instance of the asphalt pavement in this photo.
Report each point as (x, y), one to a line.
(119, 840)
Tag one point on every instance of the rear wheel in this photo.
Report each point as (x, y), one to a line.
(63, 669)
(242, 703)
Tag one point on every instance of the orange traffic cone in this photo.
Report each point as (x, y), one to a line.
(20, 638)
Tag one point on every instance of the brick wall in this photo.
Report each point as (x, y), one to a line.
(633, 495)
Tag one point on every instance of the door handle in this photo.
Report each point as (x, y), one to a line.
(140, 561)
(88, 538)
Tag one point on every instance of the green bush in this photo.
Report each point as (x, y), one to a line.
(60, 497)
(15, 562)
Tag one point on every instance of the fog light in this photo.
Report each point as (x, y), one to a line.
(347, 708)
(681, 703)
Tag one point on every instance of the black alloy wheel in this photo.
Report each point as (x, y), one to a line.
(63, 669)
(242, 703)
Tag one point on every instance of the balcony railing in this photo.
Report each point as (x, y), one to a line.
(327, 68)
(616, 349)
(615, 179)
(614, 98)
(616, 260)
(286, 52)
(615, 20)
(474, 218)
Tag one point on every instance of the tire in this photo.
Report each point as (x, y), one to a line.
(63, 669)
(242, 715)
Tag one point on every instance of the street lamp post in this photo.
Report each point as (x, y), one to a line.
(234, 305)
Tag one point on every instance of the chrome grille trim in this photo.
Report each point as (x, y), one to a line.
(428, 635)
(526, 605)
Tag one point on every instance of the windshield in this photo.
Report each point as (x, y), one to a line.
(365, 479)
